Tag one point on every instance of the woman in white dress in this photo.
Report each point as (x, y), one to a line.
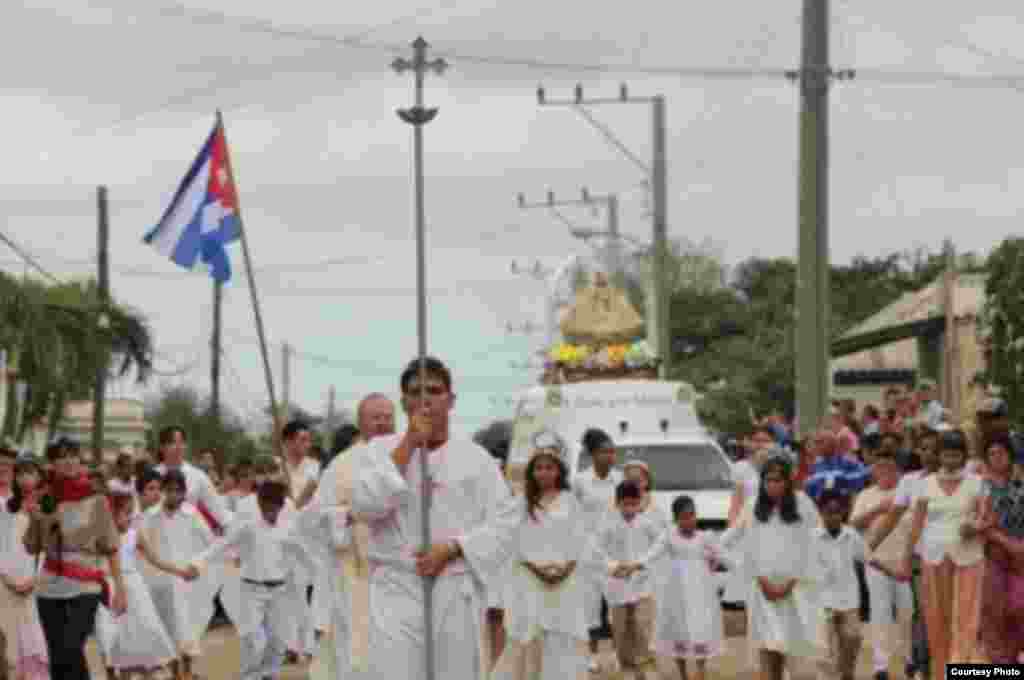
(544, 614)
(785, 568)
(688, 623)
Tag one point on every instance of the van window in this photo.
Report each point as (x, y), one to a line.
(678, 467)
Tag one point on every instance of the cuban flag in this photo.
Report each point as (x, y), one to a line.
(203, 218)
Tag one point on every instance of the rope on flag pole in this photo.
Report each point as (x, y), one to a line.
(418, 116)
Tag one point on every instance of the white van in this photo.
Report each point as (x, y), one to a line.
(652, 421)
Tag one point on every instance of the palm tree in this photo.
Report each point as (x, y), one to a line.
(58, 337)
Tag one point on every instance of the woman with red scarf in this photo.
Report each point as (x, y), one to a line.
(74, 531)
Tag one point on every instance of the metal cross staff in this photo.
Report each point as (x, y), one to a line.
(418, 116)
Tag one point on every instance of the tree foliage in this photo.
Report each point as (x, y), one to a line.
(1001, 325)
(184, 407)
(736, 344)
(58, 337)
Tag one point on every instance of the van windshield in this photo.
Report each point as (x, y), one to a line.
(678, 467)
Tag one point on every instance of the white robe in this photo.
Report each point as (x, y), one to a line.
(547, 626)
(471, 504)
(201, 493)
(185, 608)
(780, 551)
(596, 496)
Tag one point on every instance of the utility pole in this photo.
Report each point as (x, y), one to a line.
(286, 381)
(215, 350)
(102, 322)
(659, 187)
(332, 395)
(813, 378)
(613, 253)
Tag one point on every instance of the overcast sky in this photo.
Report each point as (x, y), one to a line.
(123, 93)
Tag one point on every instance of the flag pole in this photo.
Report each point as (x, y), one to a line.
(261, 333)
(417, 116)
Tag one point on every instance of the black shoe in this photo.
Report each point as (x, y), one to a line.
(910, 669)
(884, 675)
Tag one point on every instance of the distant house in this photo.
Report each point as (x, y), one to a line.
(903, 343)
(124, 428)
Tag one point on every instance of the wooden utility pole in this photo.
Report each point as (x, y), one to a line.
(812, 289)
(286, 381)
(102, 322)
(215, 350)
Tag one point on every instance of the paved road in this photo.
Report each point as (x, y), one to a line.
(220, 662)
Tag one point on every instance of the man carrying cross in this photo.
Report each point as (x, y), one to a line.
(472, 519)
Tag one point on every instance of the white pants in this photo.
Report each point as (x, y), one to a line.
(889, 634)
(551, 656)
(268, 621)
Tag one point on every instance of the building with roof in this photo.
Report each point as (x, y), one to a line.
(904, 343)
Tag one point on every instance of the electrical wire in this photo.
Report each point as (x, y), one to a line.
(881, 76)
(27, 258)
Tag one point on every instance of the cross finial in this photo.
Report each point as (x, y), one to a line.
(419, 64)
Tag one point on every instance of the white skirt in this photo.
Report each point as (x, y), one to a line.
(137, 638)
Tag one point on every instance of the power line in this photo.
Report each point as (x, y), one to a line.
(881, 76)
(27, 257)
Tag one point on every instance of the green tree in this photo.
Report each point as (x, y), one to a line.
(184, 407)
(58, 337)
(1002, 323)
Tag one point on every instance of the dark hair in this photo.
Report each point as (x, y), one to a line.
(532, 489)
(595, 438)
(764, 429)
(119, 501)
(243, 468)
(16, 499)
(765, 505)
(144, 476)
(998, 439)
(166, 435)
(682, 504)
(344, 437)
(832, 496)
(432, 367)
(173, 477)
(124, 459)
(872, 442)
(872, 410)
(953, 440)
(272, 492)
(627, 489)
(293, 428)
(885, 454)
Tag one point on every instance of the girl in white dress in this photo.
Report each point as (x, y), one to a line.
(136, 642)
(688, 622)
(24, 653)
(545, 620)
(775, 536)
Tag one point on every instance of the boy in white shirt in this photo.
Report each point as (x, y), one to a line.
(268, 554)
(624, 537)
(841, 546)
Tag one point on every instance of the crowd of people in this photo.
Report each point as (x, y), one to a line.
(891, 517)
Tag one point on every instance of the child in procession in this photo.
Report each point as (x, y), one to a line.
(269, 556)
(688, 620)
(774, 535)
(24, 652)
(547, 610)
(841, 547)
(135, 643)
(176, 532)
(624, 537)
(892, 600)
